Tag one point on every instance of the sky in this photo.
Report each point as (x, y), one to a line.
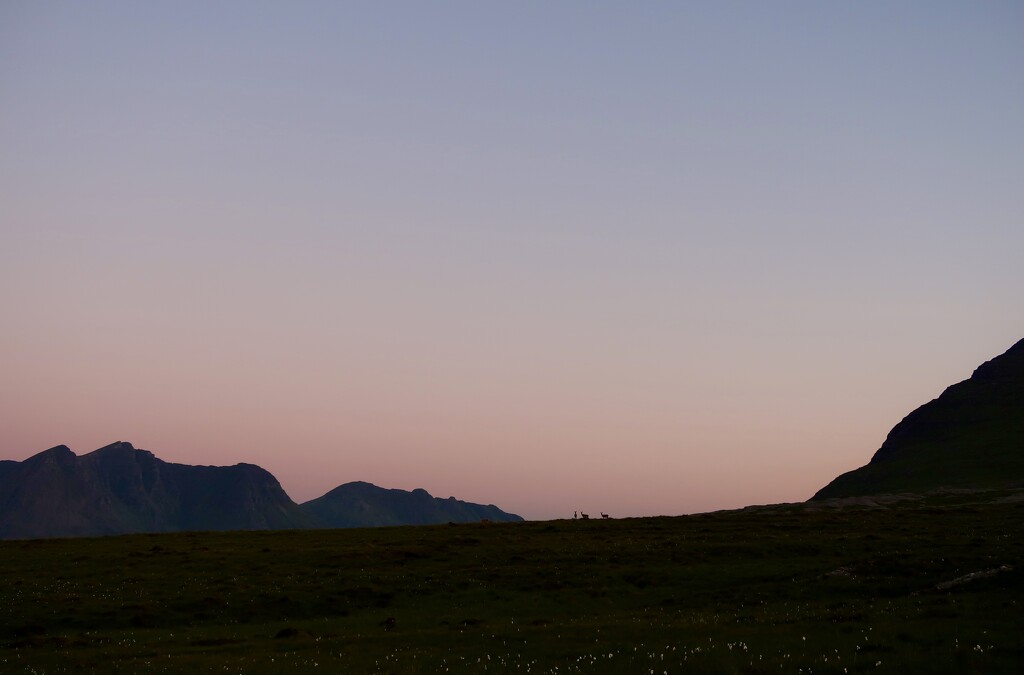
(639, 258)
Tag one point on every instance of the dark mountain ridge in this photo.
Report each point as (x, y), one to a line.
(970, 437)
(119, 489)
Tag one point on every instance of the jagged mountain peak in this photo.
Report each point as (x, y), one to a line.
(115, 446)
(59, 455)
(120, 450)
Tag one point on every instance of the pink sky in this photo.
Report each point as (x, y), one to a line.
(644, 262)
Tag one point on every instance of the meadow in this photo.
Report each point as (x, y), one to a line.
(917, 586)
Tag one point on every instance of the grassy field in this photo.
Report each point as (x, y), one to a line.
(784, 589)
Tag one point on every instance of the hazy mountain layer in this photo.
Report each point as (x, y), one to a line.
(361, 504)
(972, 436)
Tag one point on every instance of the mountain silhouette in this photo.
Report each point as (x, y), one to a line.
(362, 504)
(119, 489)
(971, 437)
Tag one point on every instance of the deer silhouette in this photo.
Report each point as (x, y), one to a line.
(605, 515)
(584, 516)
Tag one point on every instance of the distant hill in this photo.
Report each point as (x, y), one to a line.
(361, 504)
(972, 436)
(119, 489)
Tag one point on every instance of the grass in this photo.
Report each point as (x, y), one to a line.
(785, 589)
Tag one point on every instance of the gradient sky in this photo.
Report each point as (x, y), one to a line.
(640, 258)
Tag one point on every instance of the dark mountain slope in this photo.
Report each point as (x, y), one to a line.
(118, 489)
(362, 504)
(972, 436)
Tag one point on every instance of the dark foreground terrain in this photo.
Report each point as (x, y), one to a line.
(915, 586)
